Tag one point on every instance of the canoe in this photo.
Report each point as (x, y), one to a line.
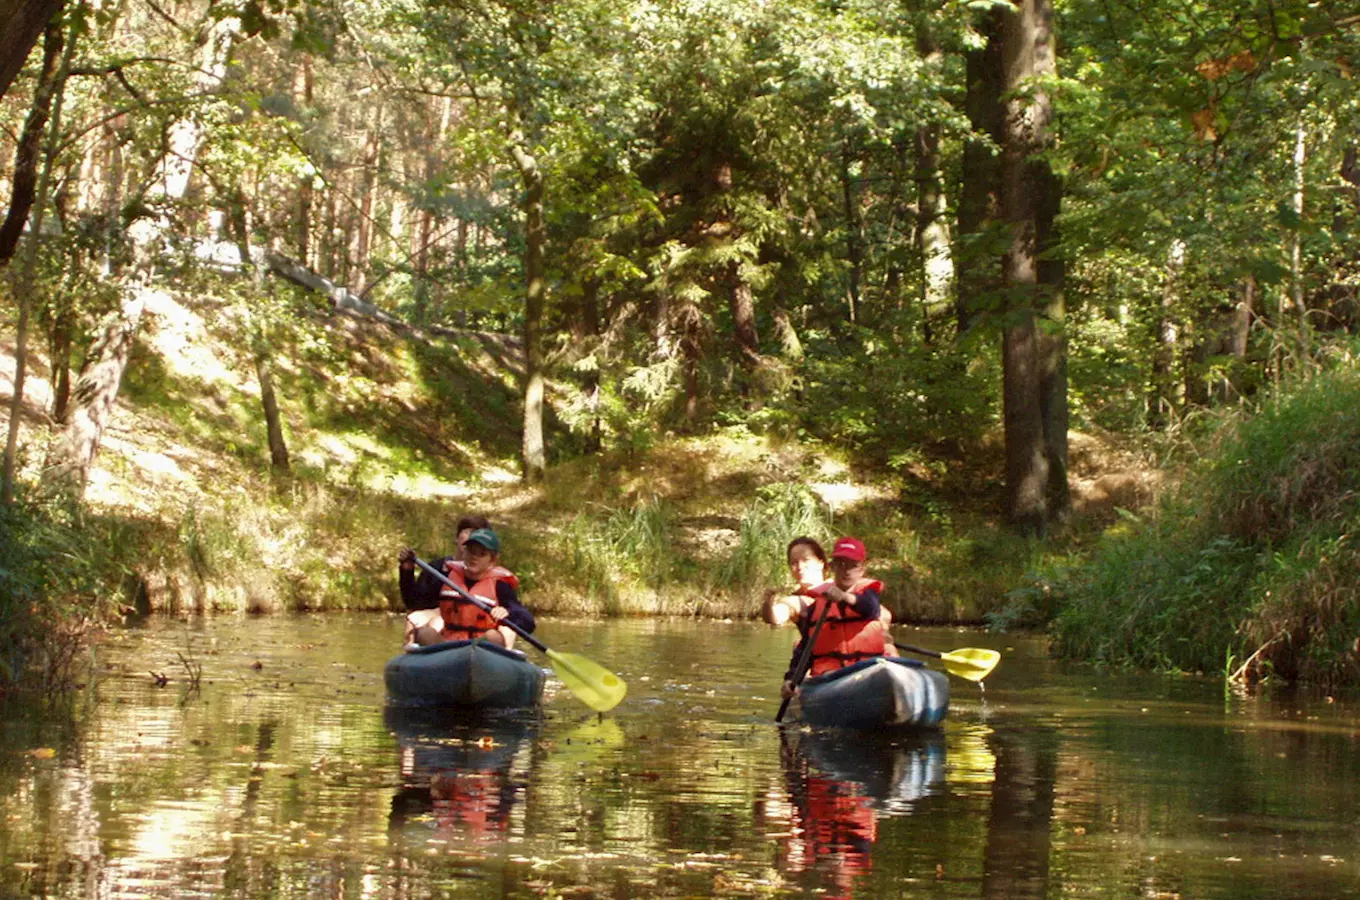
(884, 692)
(471, 674)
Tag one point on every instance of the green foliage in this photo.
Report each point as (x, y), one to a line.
(60, 579)
(880, 400)
(779, 513)
(1255, 553)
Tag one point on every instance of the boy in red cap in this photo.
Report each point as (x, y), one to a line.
(852, 630)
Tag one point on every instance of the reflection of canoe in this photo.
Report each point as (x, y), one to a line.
(884, 692)
(431, 742)
(895, 770)
(458, 773)
(464, 673)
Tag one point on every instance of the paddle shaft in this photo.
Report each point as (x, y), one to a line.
(477, 601)
(921, 650)
(804, 661)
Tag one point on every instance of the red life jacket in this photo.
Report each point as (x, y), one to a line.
(847, 636)
(465, 621)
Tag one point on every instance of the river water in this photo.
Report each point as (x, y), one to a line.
(283, 773)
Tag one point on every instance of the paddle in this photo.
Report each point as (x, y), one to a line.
(804, 661)
(972, 663)
(596, 686)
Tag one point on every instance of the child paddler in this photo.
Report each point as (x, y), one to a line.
(480, 574)
(420, 590)
(852, 630)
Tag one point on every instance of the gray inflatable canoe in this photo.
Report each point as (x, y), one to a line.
(470, 674)
(884, 692)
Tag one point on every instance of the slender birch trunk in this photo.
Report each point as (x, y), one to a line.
(97, 389)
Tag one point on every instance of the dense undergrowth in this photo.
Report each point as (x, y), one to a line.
(1250, 566)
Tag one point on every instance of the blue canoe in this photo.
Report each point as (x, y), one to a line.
(884, 692)
(472, 674)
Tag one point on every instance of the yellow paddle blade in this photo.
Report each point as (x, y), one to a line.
(973, 663)
(592, 683)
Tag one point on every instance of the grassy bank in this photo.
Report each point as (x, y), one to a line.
(393, 434)
(690, 528)
(1249, 567)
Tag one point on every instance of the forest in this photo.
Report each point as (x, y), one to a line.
(576, 251)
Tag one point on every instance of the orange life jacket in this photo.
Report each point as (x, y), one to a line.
(847, 636)
(464, 621)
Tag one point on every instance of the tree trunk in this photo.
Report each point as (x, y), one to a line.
(980, 194)
(363, 234)
(533, 453)
(25, 178)
(97, 389)
(743, 318)
(691, 346)
(63, 325)
(1052, 342)
(24, 21)
(854, 246)
(259, 345)
(1236, 336)
(590, 331)
(790, 346)
(1161, 393)
(1296, 244)
(932, 228)
(302, 236)
(1028, 56)
(56, 87)
(98, 386)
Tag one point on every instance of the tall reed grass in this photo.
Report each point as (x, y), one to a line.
(780, 513)
(622, 555)
(1252, 559)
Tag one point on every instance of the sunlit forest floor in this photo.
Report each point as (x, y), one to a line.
(393, 434)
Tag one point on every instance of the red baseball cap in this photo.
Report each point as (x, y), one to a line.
(848, 548)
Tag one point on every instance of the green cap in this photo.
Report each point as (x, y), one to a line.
(486, 538)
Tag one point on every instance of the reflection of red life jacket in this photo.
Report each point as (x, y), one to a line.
(847, 636)
(464, 620)
(840, 823)
(470, 801)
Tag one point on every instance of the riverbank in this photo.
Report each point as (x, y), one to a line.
(393, 433)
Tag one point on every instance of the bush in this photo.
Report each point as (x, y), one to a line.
(58, 583)
(1252, 560)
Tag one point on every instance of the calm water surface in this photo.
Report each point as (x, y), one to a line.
(285, 775)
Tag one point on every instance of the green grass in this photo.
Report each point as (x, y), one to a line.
(1252, 558)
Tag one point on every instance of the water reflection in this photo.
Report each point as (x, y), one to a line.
(286, 777)
(458, 778)
(837, 785)
(1019, 832)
